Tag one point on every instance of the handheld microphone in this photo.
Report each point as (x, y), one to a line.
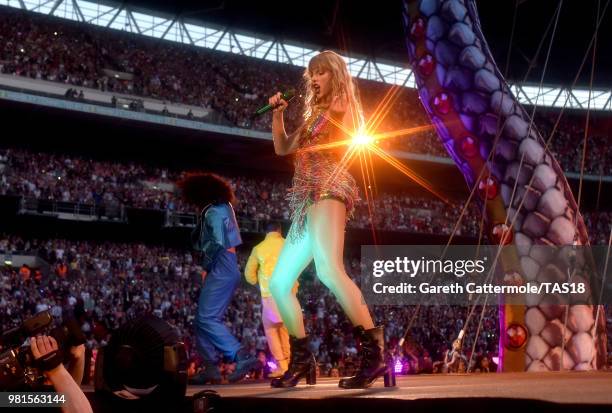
(286, 96)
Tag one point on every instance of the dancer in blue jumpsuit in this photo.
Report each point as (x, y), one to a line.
(216, 237)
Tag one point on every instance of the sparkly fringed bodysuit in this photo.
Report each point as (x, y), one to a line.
(319, 173)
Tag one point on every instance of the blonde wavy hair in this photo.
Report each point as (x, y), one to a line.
(341, 84)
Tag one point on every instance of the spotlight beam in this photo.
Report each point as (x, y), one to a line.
(381, 112)
(362, 142)
(408, 172)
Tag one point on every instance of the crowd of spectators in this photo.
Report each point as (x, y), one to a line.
(106, 284)
(46, 176)
(73, 179)
(233, 86)
(42, 48)
(567, 142)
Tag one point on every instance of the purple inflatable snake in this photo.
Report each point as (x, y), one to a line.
(528, 200)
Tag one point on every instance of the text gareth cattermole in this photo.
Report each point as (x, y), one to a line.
(412, 267)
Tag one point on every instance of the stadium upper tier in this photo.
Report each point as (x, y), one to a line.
(122, 16)
(138, 75)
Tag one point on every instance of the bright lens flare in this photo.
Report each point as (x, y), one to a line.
(362, 139)
(363, 142)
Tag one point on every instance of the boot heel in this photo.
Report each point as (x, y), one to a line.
(389, 377)
(311, 377)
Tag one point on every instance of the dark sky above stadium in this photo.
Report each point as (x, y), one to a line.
(375, 28)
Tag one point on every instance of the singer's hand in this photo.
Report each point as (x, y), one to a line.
(278, 103)
(338, 106)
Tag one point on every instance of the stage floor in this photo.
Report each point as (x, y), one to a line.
(581, 388)
(568, 392)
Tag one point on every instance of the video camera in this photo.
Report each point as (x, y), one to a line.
(18, 368)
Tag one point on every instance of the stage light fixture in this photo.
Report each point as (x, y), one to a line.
(362, 139)
(145, 360)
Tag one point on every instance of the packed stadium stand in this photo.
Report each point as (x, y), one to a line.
(108, 281)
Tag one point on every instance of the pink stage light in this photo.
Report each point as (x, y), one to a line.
(398, 366)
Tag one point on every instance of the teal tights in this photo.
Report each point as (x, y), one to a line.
(323, 241)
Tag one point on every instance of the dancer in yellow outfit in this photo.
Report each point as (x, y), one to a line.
(259, 268)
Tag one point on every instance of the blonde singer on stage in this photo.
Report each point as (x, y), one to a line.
(322, 196)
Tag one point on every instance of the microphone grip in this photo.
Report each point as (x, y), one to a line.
(286, 96)
(265, 109)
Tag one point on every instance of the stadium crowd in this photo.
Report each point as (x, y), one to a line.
(73, 179)
(104, 284)
(47, 176)
(234, 86)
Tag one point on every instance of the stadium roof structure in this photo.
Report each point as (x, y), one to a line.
(181, 29)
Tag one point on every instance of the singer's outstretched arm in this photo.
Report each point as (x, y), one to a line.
(283, 144)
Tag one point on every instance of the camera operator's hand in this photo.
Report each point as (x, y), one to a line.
(46, 353)
(44, 350)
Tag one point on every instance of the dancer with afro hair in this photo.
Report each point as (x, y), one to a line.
(216, 237)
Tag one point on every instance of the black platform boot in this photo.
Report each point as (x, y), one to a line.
(302, 364)
(373, 363)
